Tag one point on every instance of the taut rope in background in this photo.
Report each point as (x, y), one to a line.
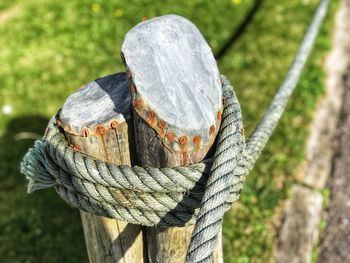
(150, 196)
(210, 216)
(268, 123)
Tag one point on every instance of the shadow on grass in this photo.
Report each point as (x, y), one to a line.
(39, 227)
(238, 32)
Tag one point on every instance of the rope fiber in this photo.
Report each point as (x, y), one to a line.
(148, 196)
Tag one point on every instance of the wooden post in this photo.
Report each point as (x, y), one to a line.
(95, 120)
(177, 100)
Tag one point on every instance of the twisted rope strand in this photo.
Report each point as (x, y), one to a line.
(223, 174)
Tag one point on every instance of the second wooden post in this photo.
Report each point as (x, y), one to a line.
(96, 120)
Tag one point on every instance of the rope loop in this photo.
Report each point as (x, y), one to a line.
(145, 196)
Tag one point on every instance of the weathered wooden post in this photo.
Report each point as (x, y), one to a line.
(97, 122)
(177, 101)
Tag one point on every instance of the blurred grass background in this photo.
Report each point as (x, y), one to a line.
(50, 48)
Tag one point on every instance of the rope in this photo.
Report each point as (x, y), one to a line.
(146, 196)
(201, 193)
(268, 123)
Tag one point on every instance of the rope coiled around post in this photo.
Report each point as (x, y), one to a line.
(146, 196)
(198, 193)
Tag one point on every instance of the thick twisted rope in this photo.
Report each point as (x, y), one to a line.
(145, 196)
(167, 196)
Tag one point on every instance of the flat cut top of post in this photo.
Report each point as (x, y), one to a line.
(175, 81)
(106, 100)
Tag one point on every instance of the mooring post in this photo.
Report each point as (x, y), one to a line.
(177, 102)
(96, 120)
(177, 108)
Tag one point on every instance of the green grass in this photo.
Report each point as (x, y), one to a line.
(50, 48)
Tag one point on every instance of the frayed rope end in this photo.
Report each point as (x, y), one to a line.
(33, 167)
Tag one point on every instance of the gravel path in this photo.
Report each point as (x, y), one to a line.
(335, 244)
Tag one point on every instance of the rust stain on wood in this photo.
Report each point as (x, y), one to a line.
(183, 140)
(197, 139)
(151, 117)
(138, 103)
(171, 136)
(75, 147)
(185, 160)
(114, 124)
(85, 132)
(161, 124)
(212, 130)
(101, 131)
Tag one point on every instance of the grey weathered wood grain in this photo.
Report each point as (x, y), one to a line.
(169, 62)
(99, 102)
(95, 120)
(177, 100)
